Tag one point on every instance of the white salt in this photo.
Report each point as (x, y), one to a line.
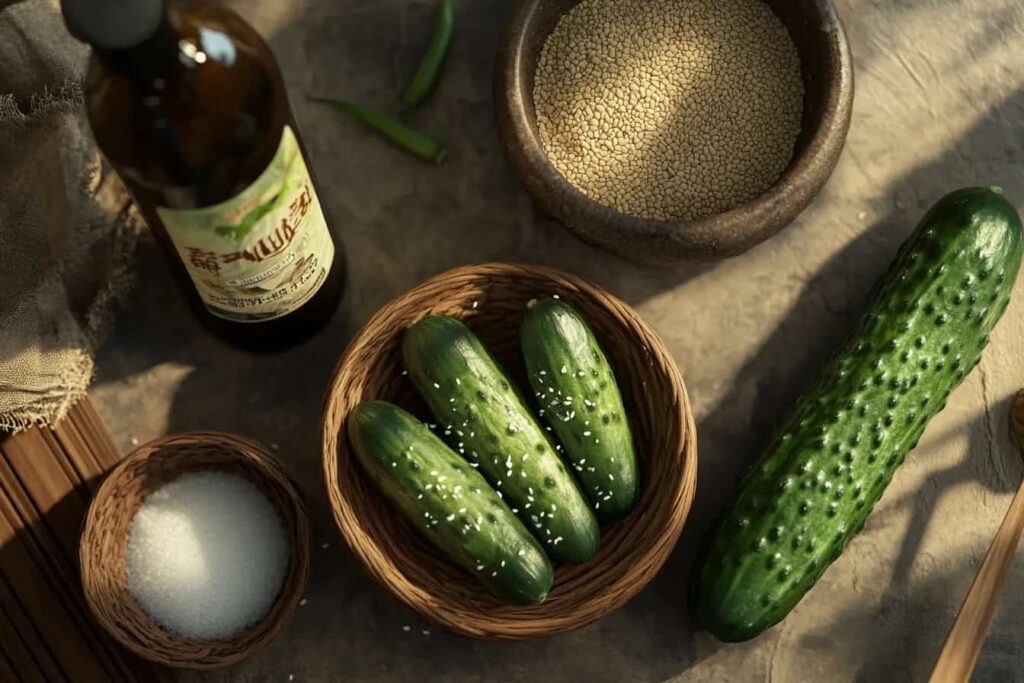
(206, 555)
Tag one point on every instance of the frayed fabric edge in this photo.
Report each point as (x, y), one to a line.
(59, 98)
(41, 413)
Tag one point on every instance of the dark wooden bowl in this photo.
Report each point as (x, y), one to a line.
(828, 100)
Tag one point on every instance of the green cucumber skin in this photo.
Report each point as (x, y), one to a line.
(485, 419)
(576, 390)
(449, 502)
(828, 465)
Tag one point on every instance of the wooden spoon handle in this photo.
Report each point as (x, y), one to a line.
(956, 661)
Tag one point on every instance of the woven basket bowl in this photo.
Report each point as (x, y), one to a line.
(106, 534)
(491, 299)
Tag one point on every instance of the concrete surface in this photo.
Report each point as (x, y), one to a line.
(940, 104)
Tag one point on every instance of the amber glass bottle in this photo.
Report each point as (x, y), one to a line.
(187, 103)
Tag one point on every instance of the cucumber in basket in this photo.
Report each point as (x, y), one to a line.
(825, 469)
(484, 417)
(449, 502)
(578, 396)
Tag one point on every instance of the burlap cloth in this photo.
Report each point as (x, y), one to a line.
(67, 228)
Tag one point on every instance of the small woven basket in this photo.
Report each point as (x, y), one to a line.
(108, 522)
(491, 299)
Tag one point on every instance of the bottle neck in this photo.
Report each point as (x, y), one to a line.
(150, 60)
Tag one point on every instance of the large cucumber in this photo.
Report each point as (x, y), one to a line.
(449, 502)
(828, 465)
(578, 396)
(484, 417)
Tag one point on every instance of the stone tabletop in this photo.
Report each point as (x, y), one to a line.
(940, 104)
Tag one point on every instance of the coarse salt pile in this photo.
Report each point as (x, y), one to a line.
(669, 109)
(206, 555)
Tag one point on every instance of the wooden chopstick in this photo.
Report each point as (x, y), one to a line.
(46, 495)
(7, 667)
(19, 650)
(36, 591)
(967, 635)
(33, 640)
(47, 476)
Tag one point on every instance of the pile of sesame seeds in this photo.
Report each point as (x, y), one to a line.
(669, 109)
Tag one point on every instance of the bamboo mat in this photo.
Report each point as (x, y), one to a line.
(47, 477)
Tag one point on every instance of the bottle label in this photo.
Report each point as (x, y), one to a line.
(263, 253)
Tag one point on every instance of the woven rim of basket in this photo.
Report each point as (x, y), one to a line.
(632, 551)
(106, 533)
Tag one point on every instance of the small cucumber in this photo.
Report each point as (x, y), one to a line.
(578, 396)
(449, 502)
(484, 417)
(828, 465)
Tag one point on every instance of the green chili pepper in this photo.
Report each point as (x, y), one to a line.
(429, 71)
(411, 140)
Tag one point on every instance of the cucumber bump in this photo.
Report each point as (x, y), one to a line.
(484, 417)
(449, 502)
(579, 398)
(828, 465)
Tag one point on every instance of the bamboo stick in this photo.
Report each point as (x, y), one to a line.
(36, 592)
(966, 637)
(33, 640)
(32, 466)
(18, 650)
(47, 476)
(7, 667)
